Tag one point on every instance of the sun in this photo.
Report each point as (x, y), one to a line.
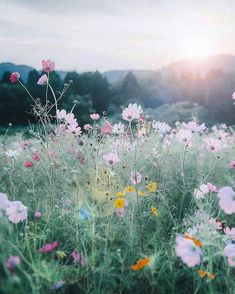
(196, 47)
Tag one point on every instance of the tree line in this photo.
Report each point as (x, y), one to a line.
(210, 95)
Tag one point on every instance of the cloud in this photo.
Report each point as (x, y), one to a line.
(107, 34)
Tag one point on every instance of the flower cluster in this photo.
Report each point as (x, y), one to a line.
(69, 122)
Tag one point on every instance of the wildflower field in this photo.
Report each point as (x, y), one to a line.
(132, 207)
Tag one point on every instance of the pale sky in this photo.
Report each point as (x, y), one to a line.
(109, 34)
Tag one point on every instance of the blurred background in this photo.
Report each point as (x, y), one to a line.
(175, 58)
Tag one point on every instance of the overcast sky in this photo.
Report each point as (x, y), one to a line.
(114, 34)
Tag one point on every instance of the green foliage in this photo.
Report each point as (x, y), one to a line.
(162, 95)
(60, 186)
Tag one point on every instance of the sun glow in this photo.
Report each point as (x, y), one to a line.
(197, 47)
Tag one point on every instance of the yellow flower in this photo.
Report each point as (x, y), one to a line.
(121, 194)
(61, 254)
(141, 193)
(130, 189)
(120, 203)
(154, 211)
(201, 273)
(210, 276)
(152, 186)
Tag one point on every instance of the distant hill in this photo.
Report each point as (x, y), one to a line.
(11, 67)
(193, 66)
(201, 66)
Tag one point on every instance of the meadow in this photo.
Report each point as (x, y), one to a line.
(132, 207)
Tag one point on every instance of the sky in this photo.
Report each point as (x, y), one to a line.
(103, 35)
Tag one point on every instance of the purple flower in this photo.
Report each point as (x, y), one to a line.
(78, 258)
(12, 262)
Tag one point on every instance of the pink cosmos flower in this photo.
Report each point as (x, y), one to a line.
(12, 262)
(76, 130)
(194, 127)
(185, 136)
(14, 77)
(201, 192)
(48, 66)
(60, 129)
(222, 135)
(25, 144)
(4, 202)
(28, 164)
(229, 252)
(230, 233)
(61, 114)
(87, 127)
(132, 112)
(70, 119)
(232, 164)
(135, 177)
(211, 187)
(49, 247)
(120, 212)
(188, 251)
(107, 129)
(16, 212)
(212, 144)
(36, 156)
(42, 80)
(111, 158)
(233, 96)
(227, 199)
(161, 127)
(94, 116)
(78, 258)
(118, 128)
